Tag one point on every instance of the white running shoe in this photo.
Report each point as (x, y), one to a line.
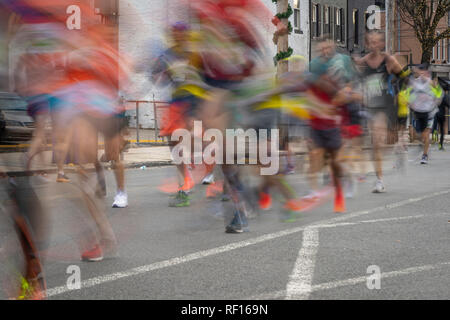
(379, 187)
(120, 200)
(208, 179)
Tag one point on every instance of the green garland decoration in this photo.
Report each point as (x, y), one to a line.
(286, 14)
(283, 55)
(289, 27)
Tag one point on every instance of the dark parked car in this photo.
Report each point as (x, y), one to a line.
(15, 124)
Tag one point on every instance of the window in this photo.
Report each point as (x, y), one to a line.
(319, 21)
(337, 34)
(447, 48)
(332, 21)
(314, 20)
(356, 27)
(366, 17)
(326, 20)
(297, 27)
(342, 24)
(438, 49)
(381, 4)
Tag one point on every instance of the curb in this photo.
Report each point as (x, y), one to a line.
(148, 164)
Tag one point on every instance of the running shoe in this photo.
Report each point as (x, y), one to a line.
(339, 204)
(208, 179)
(441, 147)
(238, 223)
(188, 184)
(379, 187)
(293, 205)
(180, 200)
(234, 229)
(93, 255)
(265, 201)
(120, 200)
(31, 290)
(62, 178)
(312, 196)
(424, 159)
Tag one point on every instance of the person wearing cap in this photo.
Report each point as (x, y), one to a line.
(425, 97)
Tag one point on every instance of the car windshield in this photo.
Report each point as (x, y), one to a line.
(12, 104)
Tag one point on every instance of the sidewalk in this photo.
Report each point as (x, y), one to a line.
(133, 157)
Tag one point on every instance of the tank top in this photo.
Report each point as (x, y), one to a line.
(376, 87)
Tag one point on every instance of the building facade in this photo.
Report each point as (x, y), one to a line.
(142, 27)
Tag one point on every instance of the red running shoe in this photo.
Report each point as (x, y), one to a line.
(93, 255)
(265, 201)
(339, 204)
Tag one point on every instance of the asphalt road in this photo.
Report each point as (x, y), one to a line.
(183, 253)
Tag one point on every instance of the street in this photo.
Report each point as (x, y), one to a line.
(184, 253)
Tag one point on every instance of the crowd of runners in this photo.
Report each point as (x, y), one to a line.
(221, 74)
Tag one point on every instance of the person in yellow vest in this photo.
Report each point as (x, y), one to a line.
(401, 148)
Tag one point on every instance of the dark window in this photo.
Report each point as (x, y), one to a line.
(381, 4)
(332, 21)
(296, 20)
(319, 21)
(342, 15)
(356, 26)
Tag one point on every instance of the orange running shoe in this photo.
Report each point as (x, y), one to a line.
(294, 205)
(339, 203)
(265, 201)
(188, 184)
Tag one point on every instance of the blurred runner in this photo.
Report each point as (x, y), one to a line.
(425, 97)
(332, 71)
(377, 66)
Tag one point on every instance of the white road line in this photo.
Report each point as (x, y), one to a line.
(388, 206)
(175, 261)
(391, 274)
(300, 281)
(237, 245)
(353, 281)
(344, 224)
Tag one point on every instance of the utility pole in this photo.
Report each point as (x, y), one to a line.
(283, 40)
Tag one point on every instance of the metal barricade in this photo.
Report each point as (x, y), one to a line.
(158, 110)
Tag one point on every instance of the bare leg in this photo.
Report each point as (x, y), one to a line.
(379, 134)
